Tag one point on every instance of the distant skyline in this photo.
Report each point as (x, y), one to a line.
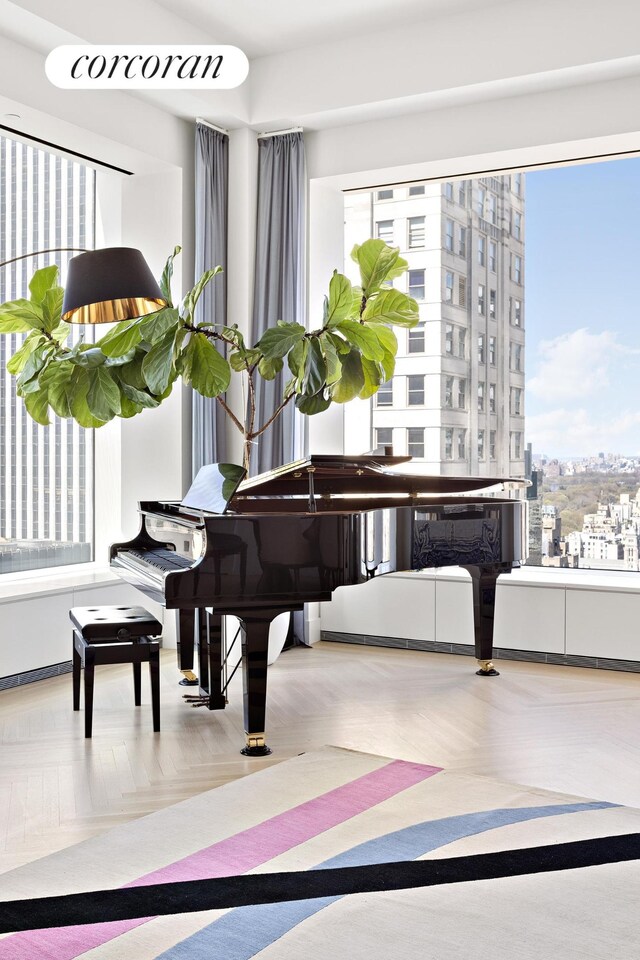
(582, 301)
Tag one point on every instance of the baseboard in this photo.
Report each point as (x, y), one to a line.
(467, 650)
(30, 676)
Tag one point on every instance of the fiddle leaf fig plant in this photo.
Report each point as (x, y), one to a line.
(135, 365)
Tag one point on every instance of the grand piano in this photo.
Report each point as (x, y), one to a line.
(256, 548)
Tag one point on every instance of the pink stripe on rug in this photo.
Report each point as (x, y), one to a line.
(235, 855)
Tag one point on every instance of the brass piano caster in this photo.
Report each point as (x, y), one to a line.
(255, 746)
(487, 669)
(189, 679)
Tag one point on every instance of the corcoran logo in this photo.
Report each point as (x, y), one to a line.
(146, 67)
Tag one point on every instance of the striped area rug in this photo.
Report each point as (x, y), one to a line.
(340, 854)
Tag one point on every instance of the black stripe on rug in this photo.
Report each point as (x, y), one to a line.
(161, 899)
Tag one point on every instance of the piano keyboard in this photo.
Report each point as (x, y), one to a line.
(154, 563)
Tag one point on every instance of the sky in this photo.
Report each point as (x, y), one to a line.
(582, 309)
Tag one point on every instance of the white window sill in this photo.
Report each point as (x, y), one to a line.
(547, 577)
(51, 580)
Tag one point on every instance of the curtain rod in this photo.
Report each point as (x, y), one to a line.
(278, 133)
(205, 123)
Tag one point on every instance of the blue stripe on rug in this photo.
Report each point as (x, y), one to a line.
(242, 933)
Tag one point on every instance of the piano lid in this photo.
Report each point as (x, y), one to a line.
(213, 487)
(325, 474)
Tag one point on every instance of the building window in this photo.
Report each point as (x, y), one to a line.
(384, 396)
(384, 230)
(462, 341)
(516, 312)
(482, 199)
(462, 193)
(448, 444)
(516, 184)
(481, 299)
(448, 235)
(493, 256)
(517, 445)
(492, 444)
(415, 390)
(415, 442)
(46, 473)
(415, 340)
(482, 247)
(448, 392)
(493, 208)
(462, 394)
(416, 232)
(492, 398)
(480, 444)
(462, 436)
(384, 195)
(384, 437)
(492, 303)
(462, 242)
(516, 225)
(516, 268)
(492, 351)
(448, 190)
(516, 357)
(481, 398)
(516, 401)
(448, 287)
(416, 284)
(462, 291)
(481, 348)
(417, 190)
(448, 339)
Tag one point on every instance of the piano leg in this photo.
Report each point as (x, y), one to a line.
(211, 641)
(483, 581)
(186, 643)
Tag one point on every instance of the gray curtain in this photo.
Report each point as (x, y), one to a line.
(212, 178)
(279, 282)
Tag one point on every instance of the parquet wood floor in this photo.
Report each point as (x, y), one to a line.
(560, 728)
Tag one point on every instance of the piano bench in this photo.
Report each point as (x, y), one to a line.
(115, 635)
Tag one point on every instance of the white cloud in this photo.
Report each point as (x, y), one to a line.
(574, 365)
(572, 433)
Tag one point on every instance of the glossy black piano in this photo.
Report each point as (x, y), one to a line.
(258, 547)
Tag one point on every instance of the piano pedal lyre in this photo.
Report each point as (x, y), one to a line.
(196, 699)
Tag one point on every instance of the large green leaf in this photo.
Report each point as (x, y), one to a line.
(139, 397)
(312, 405)
(27, 381)
(351, 381)
(61, 332)
(241, 359)
(376, 261)
(79, 407)
(19, 316)
(103, 396)
(17, 362)
(315, 368)
(278, 341)
(86, 355)
(204, 368)
(372, 378)
(334, 367)
(157, 325)
(340, 304)
(37, 405)
(132, 373)
(56, 379)
(52, 308)
(386, 337)
(296, 359)
(121, 339)
(158, 363)
(167, 274)
(363, 337)
(269, 368)
(42, 281)
(394, 307)
(191, 299)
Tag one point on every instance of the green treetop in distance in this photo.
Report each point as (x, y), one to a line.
(134, 366)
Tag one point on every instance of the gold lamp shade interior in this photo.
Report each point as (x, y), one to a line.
(104, 286)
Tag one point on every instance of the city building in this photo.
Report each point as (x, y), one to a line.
(456, 401)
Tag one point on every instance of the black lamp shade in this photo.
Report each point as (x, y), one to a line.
(104, 286)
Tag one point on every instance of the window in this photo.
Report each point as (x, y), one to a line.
(384, 230)
(492, 351)
(493, 208)
(417, 190)
(416, 232)
(462, 340)
(462, 242)
(492, 444)
(481, 348)
(416, 284)
(482, 199)
(384, 396)
(448, 287)
(448, 339)
(482, 246)
(462, 436)
(516, 357)
(516, 401)
(384, 437)
(462, 394)
(415, 442)
(448, 235)
(462, 291)
(415, 340)
(516, 268)
(462, 193)
(384, 195)
(481, 397)
(480, 444)
(415, 390)
(448, 444)
(492, 303)
(516, 312)
(46, 473)
(493, 256)
(516, 184)
(517, 445)
(516, 225)
(492, 398)
(448, 392)
(448, 190)
(481, 299)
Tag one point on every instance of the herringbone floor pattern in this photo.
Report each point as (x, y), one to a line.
(559, 728)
